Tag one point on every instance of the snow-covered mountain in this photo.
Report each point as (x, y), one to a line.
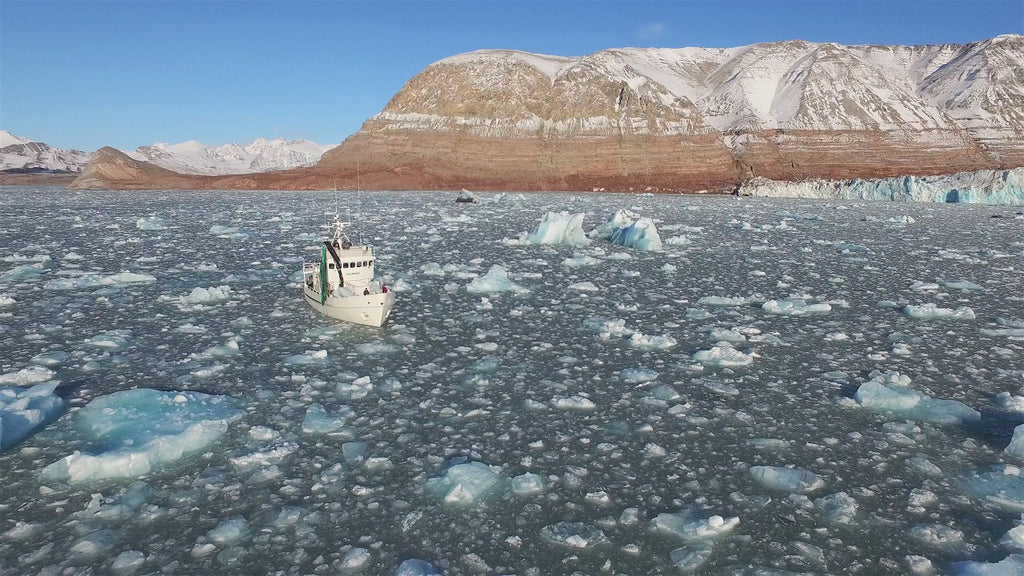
(262, 155)
(21, 153)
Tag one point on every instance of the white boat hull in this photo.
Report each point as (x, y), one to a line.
(368, 310)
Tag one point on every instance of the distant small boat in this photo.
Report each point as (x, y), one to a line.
(341, 283)
(465, 196)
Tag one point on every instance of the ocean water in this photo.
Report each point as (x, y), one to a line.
(698, 409)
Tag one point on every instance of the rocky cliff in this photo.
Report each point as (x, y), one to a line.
(685, 119)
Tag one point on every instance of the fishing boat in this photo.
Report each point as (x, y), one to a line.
(341, 284)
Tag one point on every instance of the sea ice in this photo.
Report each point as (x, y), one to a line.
(891, 392)
(724, 355)
(320, 421)
(27, 376)
(416, 567)
(930, 311)
(467, 484)
(496, 280)
(783, 479)
(1012, 565)
(25, 410)
(133, 432)
(689, 528)
(575, 535)
(795, 307)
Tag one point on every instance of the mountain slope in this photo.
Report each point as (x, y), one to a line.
(18, 153)
(690, 119)
(262, 155)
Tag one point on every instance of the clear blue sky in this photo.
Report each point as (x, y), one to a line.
(86, 74)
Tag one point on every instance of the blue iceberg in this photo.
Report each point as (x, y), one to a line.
(134, 432)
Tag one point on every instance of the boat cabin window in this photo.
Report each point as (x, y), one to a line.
(331, 265)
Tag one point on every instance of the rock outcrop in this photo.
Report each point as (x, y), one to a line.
(686, 119)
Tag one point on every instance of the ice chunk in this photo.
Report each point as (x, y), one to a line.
(559, 228)
(625, 229)
(723, 301)
(355, 561)
(229, 532)
(86, 281)
(839, 508)
(889, 392)
(320, 421)
(688, 528)
(496, 280)
(1002, 486)
(792, 480)
(27, 376)
(576, 535)
(151, 223)
(795, 307)
(1012, 565)
(416, 567)
(724, 355)
(527, 484)
(1016, 446)
(930, 311)
(467, 484)
(132, 432)
(25, 410)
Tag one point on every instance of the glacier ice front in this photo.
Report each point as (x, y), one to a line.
(133, 432)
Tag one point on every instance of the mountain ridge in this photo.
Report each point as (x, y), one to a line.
(689, 119)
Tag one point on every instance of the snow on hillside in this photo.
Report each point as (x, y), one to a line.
(17, 152)
(804, 85)
(262, 155)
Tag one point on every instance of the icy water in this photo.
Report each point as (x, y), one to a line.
(626, 404)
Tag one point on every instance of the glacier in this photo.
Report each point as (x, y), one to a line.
(530, 408)
(1002, 187)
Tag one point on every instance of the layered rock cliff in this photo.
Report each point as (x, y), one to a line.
(684, 119)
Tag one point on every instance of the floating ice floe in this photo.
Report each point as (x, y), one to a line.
(575, 535)
(1012, 565)
(416, 567)
(999, 485)
(85, 281)
(319, 421)
(1016, 446)
(527, 484)
(839, 508)
(467, 484)
(1010, 402)
(931, 311)
(625, 229)
(795, 307)
(26, 410)
(689, 528)
(151, 223)
(27, 376)
(783, 479)
(23, 272)
(558, 228)
(723, 301)
(496, 280)
(1012, 328)
(891, 392)
(134, 432)
(200, 297)
(724, 355)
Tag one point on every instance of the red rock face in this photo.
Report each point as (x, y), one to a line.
(682, 120)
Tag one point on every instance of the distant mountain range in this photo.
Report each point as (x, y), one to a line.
(647, 119)
(22, 154)
(262, 155)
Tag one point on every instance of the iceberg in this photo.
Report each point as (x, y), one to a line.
(577, 535)
(559, 228)
(795, 307)
(25, 410)
(689, 529)
(134, 432)
(625, 229)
